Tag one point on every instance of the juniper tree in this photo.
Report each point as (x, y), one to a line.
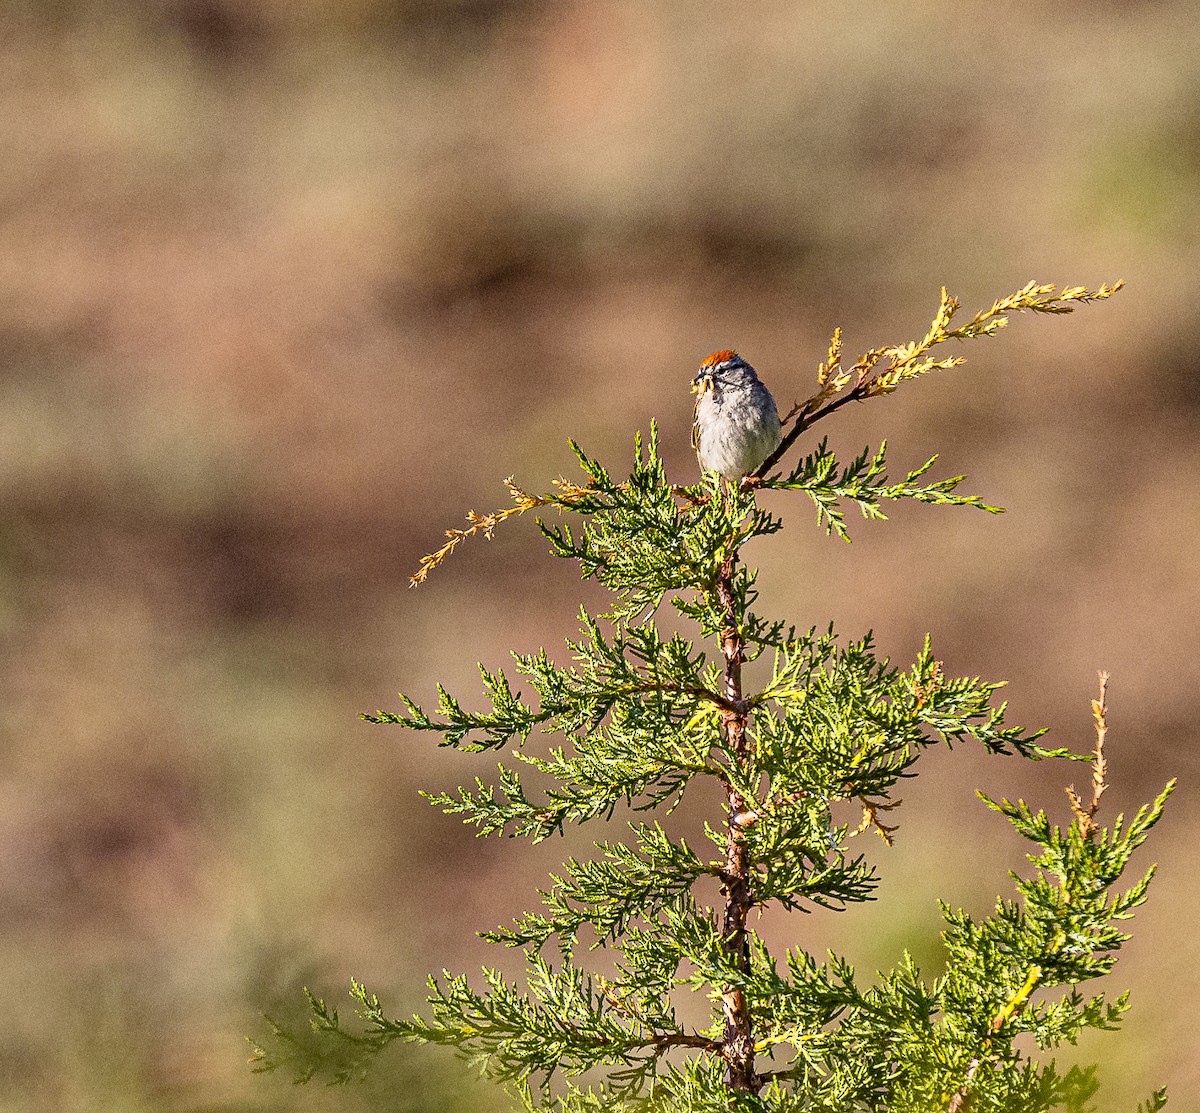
(805, 760)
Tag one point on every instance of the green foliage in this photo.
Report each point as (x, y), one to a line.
(639, 716)
(863, 483)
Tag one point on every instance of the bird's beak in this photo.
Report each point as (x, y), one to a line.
(702, 383)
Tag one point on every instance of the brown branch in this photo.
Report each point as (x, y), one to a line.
(806, 421)
(659, 1041)
(697, 690)
(772, 1075)
(668, 1040)
(738, 1044)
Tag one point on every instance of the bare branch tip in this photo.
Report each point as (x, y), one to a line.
(1085, 817)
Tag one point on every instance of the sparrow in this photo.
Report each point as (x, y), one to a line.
(736, 425)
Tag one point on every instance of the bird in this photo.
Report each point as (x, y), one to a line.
(736, 425)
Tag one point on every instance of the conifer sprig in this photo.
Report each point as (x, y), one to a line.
(866, 378)
(864, 483)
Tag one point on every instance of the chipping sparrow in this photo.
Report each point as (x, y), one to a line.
(736, 425)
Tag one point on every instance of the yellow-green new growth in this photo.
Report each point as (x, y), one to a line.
(865, 379)
(836, 387)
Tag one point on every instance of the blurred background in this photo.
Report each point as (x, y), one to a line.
(288, 287)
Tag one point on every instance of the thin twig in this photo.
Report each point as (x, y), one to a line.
(1086, 817)
(486, 523)
(660, 1041)
(682, 1039)
(1011, 1008)
(870, 819)
(961, 1094)
(806, 421)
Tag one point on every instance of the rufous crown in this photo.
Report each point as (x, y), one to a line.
(723, 356)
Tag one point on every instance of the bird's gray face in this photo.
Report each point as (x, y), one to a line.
(721, 369)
